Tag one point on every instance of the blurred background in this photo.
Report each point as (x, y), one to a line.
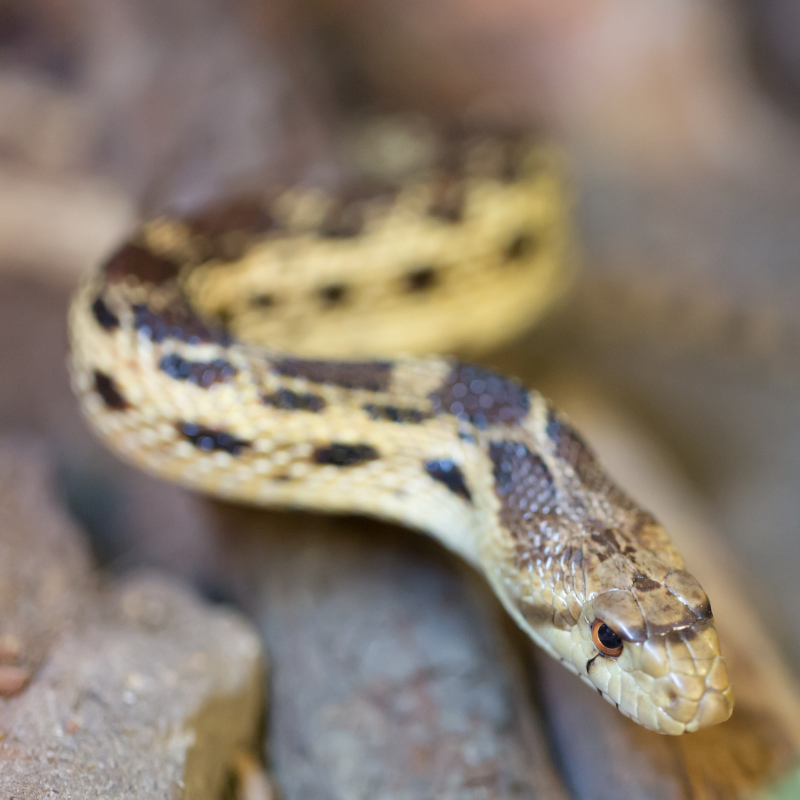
(681, 120)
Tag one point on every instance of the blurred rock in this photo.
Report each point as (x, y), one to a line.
(395, 673)
(134, 690)
(200, 98)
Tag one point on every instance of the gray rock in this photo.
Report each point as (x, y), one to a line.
(136, 689)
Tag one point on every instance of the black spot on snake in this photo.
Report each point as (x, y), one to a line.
(448, 473)
(345, 455)
(333, 295)
(395, 414)
(478, 395)
(521, 246)
(372, 376)
(203, 373)
(529, 499)
(421, 280)
(209, 439)
(263, 301)
(105, 386)
(294, 401)
(135, 261)
(104, 316)
(176, 323)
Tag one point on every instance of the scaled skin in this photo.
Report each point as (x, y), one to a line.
(453, 449)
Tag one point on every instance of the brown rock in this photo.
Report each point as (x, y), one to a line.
(394, 671)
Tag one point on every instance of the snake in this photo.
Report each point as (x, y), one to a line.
(274, 349)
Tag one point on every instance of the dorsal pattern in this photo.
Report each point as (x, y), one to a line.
(248, 352)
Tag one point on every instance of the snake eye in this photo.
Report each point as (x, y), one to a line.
(608, 642)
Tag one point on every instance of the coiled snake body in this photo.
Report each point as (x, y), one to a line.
(169, 361)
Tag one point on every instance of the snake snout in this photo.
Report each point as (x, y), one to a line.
(691, 687)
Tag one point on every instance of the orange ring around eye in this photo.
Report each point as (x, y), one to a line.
(606, 640)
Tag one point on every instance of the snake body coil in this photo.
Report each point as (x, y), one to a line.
(169, 362)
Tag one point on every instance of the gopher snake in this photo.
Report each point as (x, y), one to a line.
(168, 362)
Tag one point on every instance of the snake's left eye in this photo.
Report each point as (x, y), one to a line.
(607, 641)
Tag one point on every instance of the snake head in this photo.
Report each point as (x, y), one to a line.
(652, 650)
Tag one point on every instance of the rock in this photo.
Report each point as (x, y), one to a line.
(137, 689)
(13, 680)
(395, 673)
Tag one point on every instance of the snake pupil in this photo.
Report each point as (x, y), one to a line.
(608, 638)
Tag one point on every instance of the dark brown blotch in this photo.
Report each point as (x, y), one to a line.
(294, 401)
(395, 414)
(176, 322)
(263, 301)
(345, 455)
(107, 388)
(335, 294)
(243, 215)
(103, 315)
(224, 229)
(482, 397)
(520, 247)
(202, 373)
(372, 376)
(645, 584)
(210, 439)
(135, 261)
(570, 447)
(606, 539)
(422, 279)
(447, 472)
(529, 498)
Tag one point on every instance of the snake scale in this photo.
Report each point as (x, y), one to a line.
(239, 352)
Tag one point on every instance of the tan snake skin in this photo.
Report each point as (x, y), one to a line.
(169, 361)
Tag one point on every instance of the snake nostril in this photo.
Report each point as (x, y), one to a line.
(607, 641)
